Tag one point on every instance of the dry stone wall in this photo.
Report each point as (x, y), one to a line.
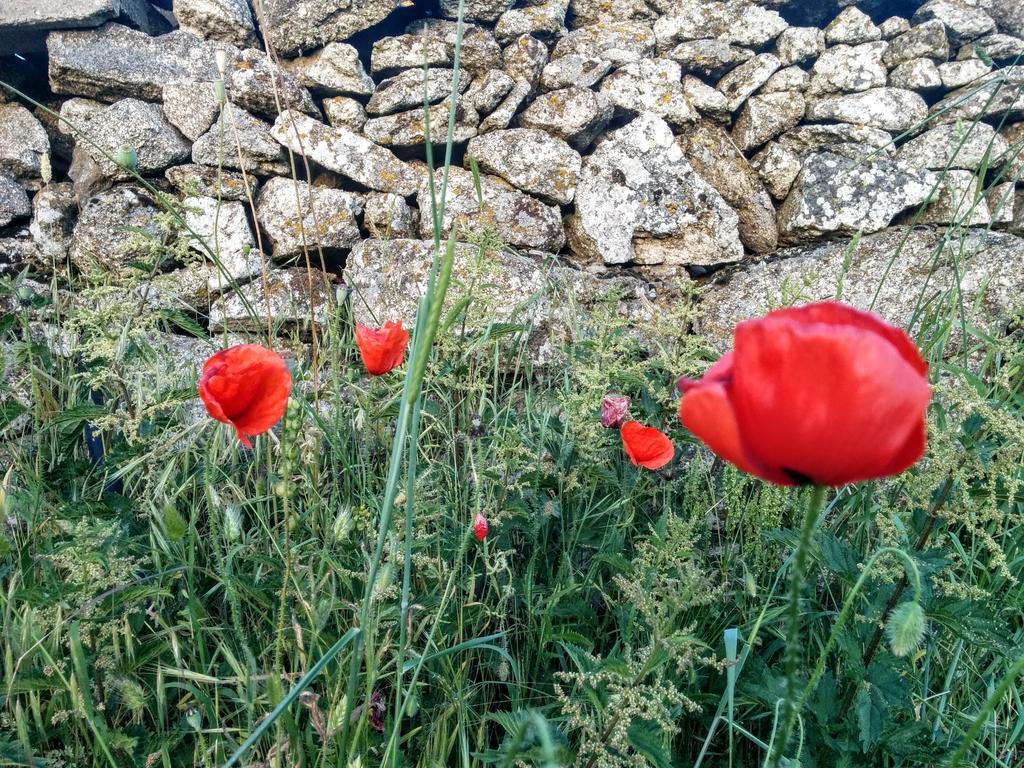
(634, 146)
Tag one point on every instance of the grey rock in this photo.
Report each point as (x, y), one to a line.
(486, 92)
(502, 115)
(23, 142)
(342, 151)
(618, 42)
(850, 69)
(575, 114)
(287, 302)
(544, 20)
(640, 201)
(705, 99)
(916, 75)
(14, 203)
(524, 59)
(586, 12)
(745, 79)
(300, 218)
(799, 44)
(708, 58)
(22, 17)
(388, 216)
(409, 89)
(963, 145)
(1017, 224)
(227, 20)
(956, 200)
(17, 253)
(409, 128)
(518, 219)
(222, 228)
(255, 83)
(1004, 50)
(651, 85)
(391, 55)
(856, 142)
(345, 112)
(303, 25)
(141, 127)
(475, 10)
(108, 233)
(480, 51)
(927, 40)
(852, 27)
(54, 209)
(736, 21)
(889, 109)
(778, 168)
(887, 273)
(190, 107)
(246, 145)
(787, 79)
(75, 114)
(1000, 200)
(335, 68)
(530, 160)
(1012, 160)
(573, 69)
(392, 275)
(766, 117)
(956, 74)
(995, 96)
(836, 195)
(894, 26)
(963, 20)
(205, 181)
(719, 162)
(1009, 16)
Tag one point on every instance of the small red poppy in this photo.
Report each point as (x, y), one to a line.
(823, 394)
(246, 386)
(646, 446)
(382, 349)
(480, 527)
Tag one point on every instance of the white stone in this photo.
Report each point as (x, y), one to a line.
(651, 85)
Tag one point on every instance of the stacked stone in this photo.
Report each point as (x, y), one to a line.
(639, 141)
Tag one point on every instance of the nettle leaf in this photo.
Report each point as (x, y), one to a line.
(971, 621)
(825, 704)
(838, 556)
(885, 676)
(871, 716)
(647, 739)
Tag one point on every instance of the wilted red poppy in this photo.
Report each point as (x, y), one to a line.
(246, 386)
(646, 446)
(480, 527)
(614, 409)
(381, 348)
(823, 394)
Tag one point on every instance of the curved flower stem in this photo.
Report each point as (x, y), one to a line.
(792, 653)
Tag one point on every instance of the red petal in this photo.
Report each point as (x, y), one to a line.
(830, 402)
(381, 349)
(246, 386)
(646, 446)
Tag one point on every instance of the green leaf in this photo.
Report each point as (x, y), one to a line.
(871, 716)
(648, 740)
(982, 54)
(838, 556)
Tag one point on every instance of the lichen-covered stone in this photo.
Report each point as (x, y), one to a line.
(849, 69)
(964, 145)
(787, 79)
(716, 158)
(799, 44)
(737, 22)
(1008, 15)
(409, 128)
(480, 51)
(852, 27)
(956, 201)
(304, 25)
(300, 218)
(257, 84)
(54, 209)
(995, 96)
(23, 142)
(190, 107)
(246, 144)
(640, 201)
(14, 202)
(388, 216)
(767, 116)
(530, 160)
(708, 58)
(778, 168)
(618, 42)
(927, 40)
(894, 26)
(486, 92)
(956, 74)
(114, 228)
(524, 59)
(221, 228)
(582, 71)
(475, 10)
(745, 79)
(889, 109)
(836, 195)
(853, 141)
(502, 115)
(916, 75)
(342, 151)
(518, 219)
(964, 21)
(544, 20)
(1004, 50)
(194, 180)
(705, 99)
(288, 303)
(345, 112)
(335, 68)
(391, 55)
(575, 114)
(409, 89)
(651, 85)
(227, 20)
(142, 128)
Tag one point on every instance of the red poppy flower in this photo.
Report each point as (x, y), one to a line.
(646, 446)
(381, 348)
(246, 386)
(480, 527)
(822, 394)
(614, 409)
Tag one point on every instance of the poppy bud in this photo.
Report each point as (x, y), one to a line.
(905, 629)
(614, 409)
(381, 349)
(480, 527)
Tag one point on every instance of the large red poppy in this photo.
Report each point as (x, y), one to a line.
(823, 394)
(646, 446)
(246, 386)
(381, 348)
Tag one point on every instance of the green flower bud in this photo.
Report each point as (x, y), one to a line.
(905, 629)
